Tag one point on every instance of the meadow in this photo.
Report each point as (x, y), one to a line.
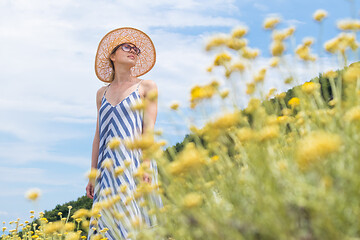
(285, 167)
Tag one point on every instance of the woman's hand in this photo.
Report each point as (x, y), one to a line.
(90, 190)
(147, 177)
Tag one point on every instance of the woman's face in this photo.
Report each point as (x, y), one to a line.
(125, 54)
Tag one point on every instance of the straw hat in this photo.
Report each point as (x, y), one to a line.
(146, 59)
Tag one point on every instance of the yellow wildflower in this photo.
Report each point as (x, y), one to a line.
(174, 106)
(236, 44)
(253, 105)
(145, 141)
(281, 95)
(225, 121)
(104, 230)
(282, 165)
(268, 132)
(198, 93)
(239, 32)
(293, 102)
(282, 119)
(106, 191)
(250, 53)
(308, 41)
(288, 80)
(118, 171)
(259, 77)
(271, 92)
(123, 188)
(250, 88)
(127, 163)
(279, 35)
(114, 143)
(341, 42)
(53, 227)
(237, 66)
(92, 174)
(245, 134)
(274, 61)
(319, 15)
(330, 74)
(286, 111)
(222, 58)
(224, 93)
(70, 226)
(271, 22)
(192, 200)
(33, 194)
(315, 147)
(107, 163)
(310, 87)
(96, 237)
(139, 105)
(332, 102)
(216, 41)
(85, 224)
(331, 45)
(188, 159)
(351, 75)
(290, 31)
(303, 52)
(72, 236)
(352, 114)
(81, 213)
(277, 48)
(350, 25)
(152, 95)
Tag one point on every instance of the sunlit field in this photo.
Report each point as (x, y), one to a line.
(285, 167)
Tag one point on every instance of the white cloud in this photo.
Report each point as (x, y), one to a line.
(261, 7)
(3, 213)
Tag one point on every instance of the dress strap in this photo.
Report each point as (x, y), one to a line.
(139, 84)
(106, 89)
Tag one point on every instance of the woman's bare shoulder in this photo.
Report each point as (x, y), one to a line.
(146, 86)
(99, 94)
(100, 91)
(149, 84)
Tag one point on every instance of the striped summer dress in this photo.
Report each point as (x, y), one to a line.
(123, 122)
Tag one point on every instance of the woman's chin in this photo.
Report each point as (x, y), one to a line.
(130, 63)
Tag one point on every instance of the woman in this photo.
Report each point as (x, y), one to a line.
(123, 55)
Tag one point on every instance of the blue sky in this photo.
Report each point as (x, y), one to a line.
(47, 98)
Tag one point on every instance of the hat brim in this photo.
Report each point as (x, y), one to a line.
(145, 61)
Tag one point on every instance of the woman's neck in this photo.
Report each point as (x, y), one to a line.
(123, 75)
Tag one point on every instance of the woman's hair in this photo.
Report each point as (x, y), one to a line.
(112, 64)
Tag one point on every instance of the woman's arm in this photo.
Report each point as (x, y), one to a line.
(150, 112)
(95, 147)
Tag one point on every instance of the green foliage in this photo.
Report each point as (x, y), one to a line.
(82, 202)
